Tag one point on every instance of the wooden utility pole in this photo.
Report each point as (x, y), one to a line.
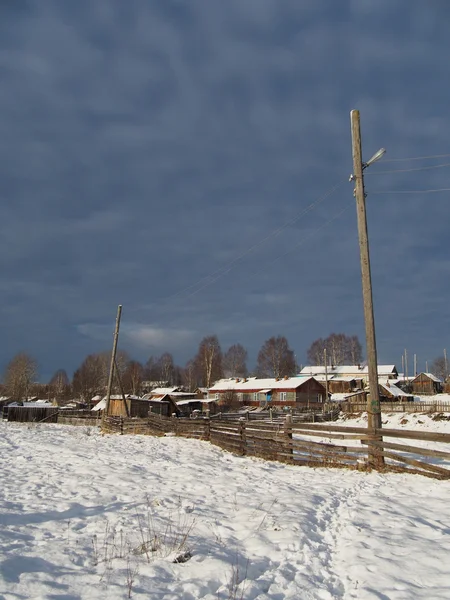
(415, 365)
(373, 404)
(113, 358)
(445, 361)
(326, 373)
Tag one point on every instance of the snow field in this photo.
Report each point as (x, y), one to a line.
(84, 516)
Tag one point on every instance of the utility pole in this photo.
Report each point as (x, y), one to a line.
(113, 358)
(326, 373)
(415, 365)
(406, 365)
(445, 361)
(373, 405)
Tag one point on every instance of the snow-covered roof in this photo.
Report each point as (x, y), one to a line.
(164, 390)
(255, 384)
(100, 405)
(393, 390)
(188, 401)
(430, 376)
(347, 370)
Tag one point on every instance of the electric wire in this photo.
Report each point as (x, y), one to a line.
(425, 168)
(219, 273)
(416, 158)
(431, 191)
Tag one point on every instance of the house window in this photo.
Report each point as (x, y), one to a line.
(216, 396)
(255, 396)
(283, 396)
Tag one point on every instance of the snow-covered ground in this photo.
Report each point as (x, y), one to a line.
(89, 516)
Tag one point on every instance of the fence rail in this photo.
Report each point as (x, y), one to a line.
(309, 444)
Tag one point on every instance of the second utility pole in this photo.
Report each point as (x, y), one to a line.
(373, 402)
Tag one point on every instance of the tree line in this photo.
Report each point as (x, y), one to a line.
(275, 359)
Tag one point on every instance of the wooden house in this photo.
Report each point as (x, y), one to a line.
(287, 391)
(426, 384)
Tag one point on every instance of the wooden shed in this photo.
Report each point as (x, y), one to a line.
(426, 384)
(341, 385)
(136, 407)
(391, 393)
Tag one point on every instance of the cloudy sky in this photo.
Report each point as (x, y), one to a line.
(189, 159)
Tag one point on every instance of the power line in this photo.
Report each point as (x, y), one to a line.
(416, 158)
(305, 239)
(432, 191)
(408, 170)
(217, 274)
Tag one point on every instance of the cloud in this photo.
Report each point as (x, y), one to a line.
(140, 337)
(149, 147)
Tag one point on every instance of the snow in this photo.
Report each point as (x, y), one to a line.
(393, 390)
(76, 508)
(436, 398)
(256, 384)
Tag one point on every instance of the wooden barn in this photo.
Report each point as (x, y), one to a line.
(426, 384)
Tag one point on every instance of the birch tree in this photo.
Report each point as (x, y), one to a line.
(276, 359)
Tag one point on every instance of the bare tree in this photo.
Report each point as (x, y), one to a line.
(438, 368)
(20, 374)
(209, 360)
(354, 350)
(340, 348)
(235, 361)
(276, 359)
(191, 378)
(315, 352)
(132, 377)
(59, 385)
(166, 368)
(91, 377)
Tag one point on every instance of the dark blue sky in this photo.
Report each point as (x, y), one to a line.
(149, 144)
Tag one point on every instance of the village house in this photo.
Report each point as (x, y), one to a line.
(287, 391)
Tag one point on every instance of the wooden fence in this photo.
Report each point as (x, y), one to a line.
(50, 414)
(306, 444)
(402, 407)
(32, 414)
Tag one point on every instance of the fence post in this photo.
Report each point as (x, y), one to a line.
(121, 425)
(208, 430)
(242, 435)
(288, 435)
